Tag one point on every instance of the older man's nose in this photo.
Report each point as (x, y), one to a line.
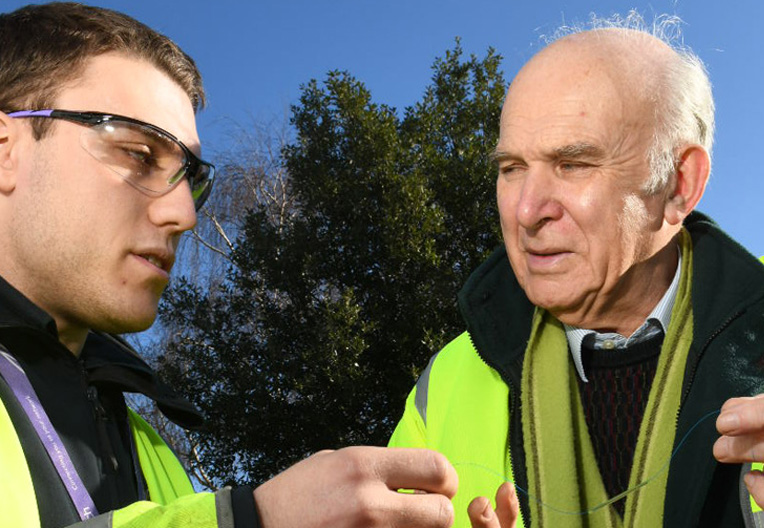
(538, 203)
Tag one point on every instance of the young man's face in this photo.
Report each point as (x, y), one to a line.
(82, 243)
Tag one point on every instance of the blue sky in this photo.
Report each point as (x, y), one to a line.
(255, 54)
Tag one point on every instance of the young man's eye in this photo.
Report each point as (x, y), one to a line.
(137, 153)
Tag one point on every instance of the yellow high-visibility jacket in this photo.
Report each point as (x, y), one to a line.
(172, 500)
(466, 404)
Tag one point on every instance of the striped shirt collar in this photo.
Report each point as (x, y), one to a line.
(657, 321)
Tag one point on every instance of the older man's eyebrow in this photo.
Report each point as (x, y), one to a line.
(578, 150)
(501, 155)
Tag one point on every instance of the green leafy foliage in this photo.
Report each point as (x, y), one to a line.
(330, 309)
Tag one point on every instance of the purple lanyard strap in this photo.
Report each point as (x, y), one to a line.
(19, 383)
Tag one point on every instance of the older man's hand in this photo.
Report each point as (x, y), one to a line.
(482, 515)
(741, 424)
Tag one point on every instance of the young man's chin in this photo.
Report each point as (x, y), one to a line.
(128, 323)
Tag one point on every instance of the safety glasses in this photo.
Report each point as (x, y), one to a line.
(150, 159)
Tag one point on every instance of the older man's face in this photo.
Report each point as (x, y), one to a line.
(572, 164)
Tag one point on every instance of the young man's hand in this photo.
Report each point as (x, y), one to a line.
(357, 487)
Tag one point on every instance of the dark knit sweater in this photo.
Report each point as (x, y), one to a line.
(614, 401)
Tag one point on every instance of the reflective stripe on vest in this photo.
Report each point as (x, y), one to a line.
(422, 390)
(453, 413)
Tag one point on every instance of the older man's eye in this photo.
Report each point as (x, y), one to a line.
(574, 169)
(509, 170)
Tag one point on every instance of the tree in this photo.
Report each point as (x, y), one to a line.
(335, 297)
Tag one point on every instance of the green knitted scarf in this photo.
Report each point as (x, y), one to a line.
(563, 477)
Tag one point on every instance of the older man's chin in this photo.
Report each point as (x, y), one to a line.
(554, 299)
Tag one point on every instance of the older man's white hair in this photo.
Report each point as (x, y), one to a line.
(683, 101)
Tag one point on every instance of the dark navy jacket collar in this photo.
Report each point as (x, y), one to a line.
(17, 310)
(107, 359)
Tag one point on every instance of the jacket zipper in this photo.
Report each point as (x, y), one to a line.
(107, 450)
(505, 376)
(696, 362)
(101, 418)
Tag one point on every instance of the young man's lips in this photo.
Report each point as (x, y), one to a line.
(162, 263)
(154, 260)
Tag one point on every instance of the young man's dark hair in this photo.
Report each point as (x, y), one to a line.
(37, 64)
(100, 175)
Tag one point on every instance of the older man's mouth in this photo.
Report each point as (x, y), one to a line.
(544, 260)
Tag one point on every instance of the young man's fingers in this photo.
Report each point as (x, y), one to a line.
(419, 510)
(417, 469)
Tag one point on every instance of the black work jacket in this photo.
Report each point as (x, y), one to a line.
(84, 400)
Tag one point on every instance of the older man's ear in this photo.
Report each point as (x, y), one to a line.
(689, 184)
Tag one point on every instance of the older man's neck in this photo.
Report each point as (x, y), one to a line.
(625, 307)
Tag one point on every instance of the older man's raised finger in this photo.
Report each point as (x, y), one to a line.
(741, 416)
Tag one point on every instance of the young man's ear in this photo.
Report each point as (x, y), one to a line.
(690, 181)
(8, 133)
